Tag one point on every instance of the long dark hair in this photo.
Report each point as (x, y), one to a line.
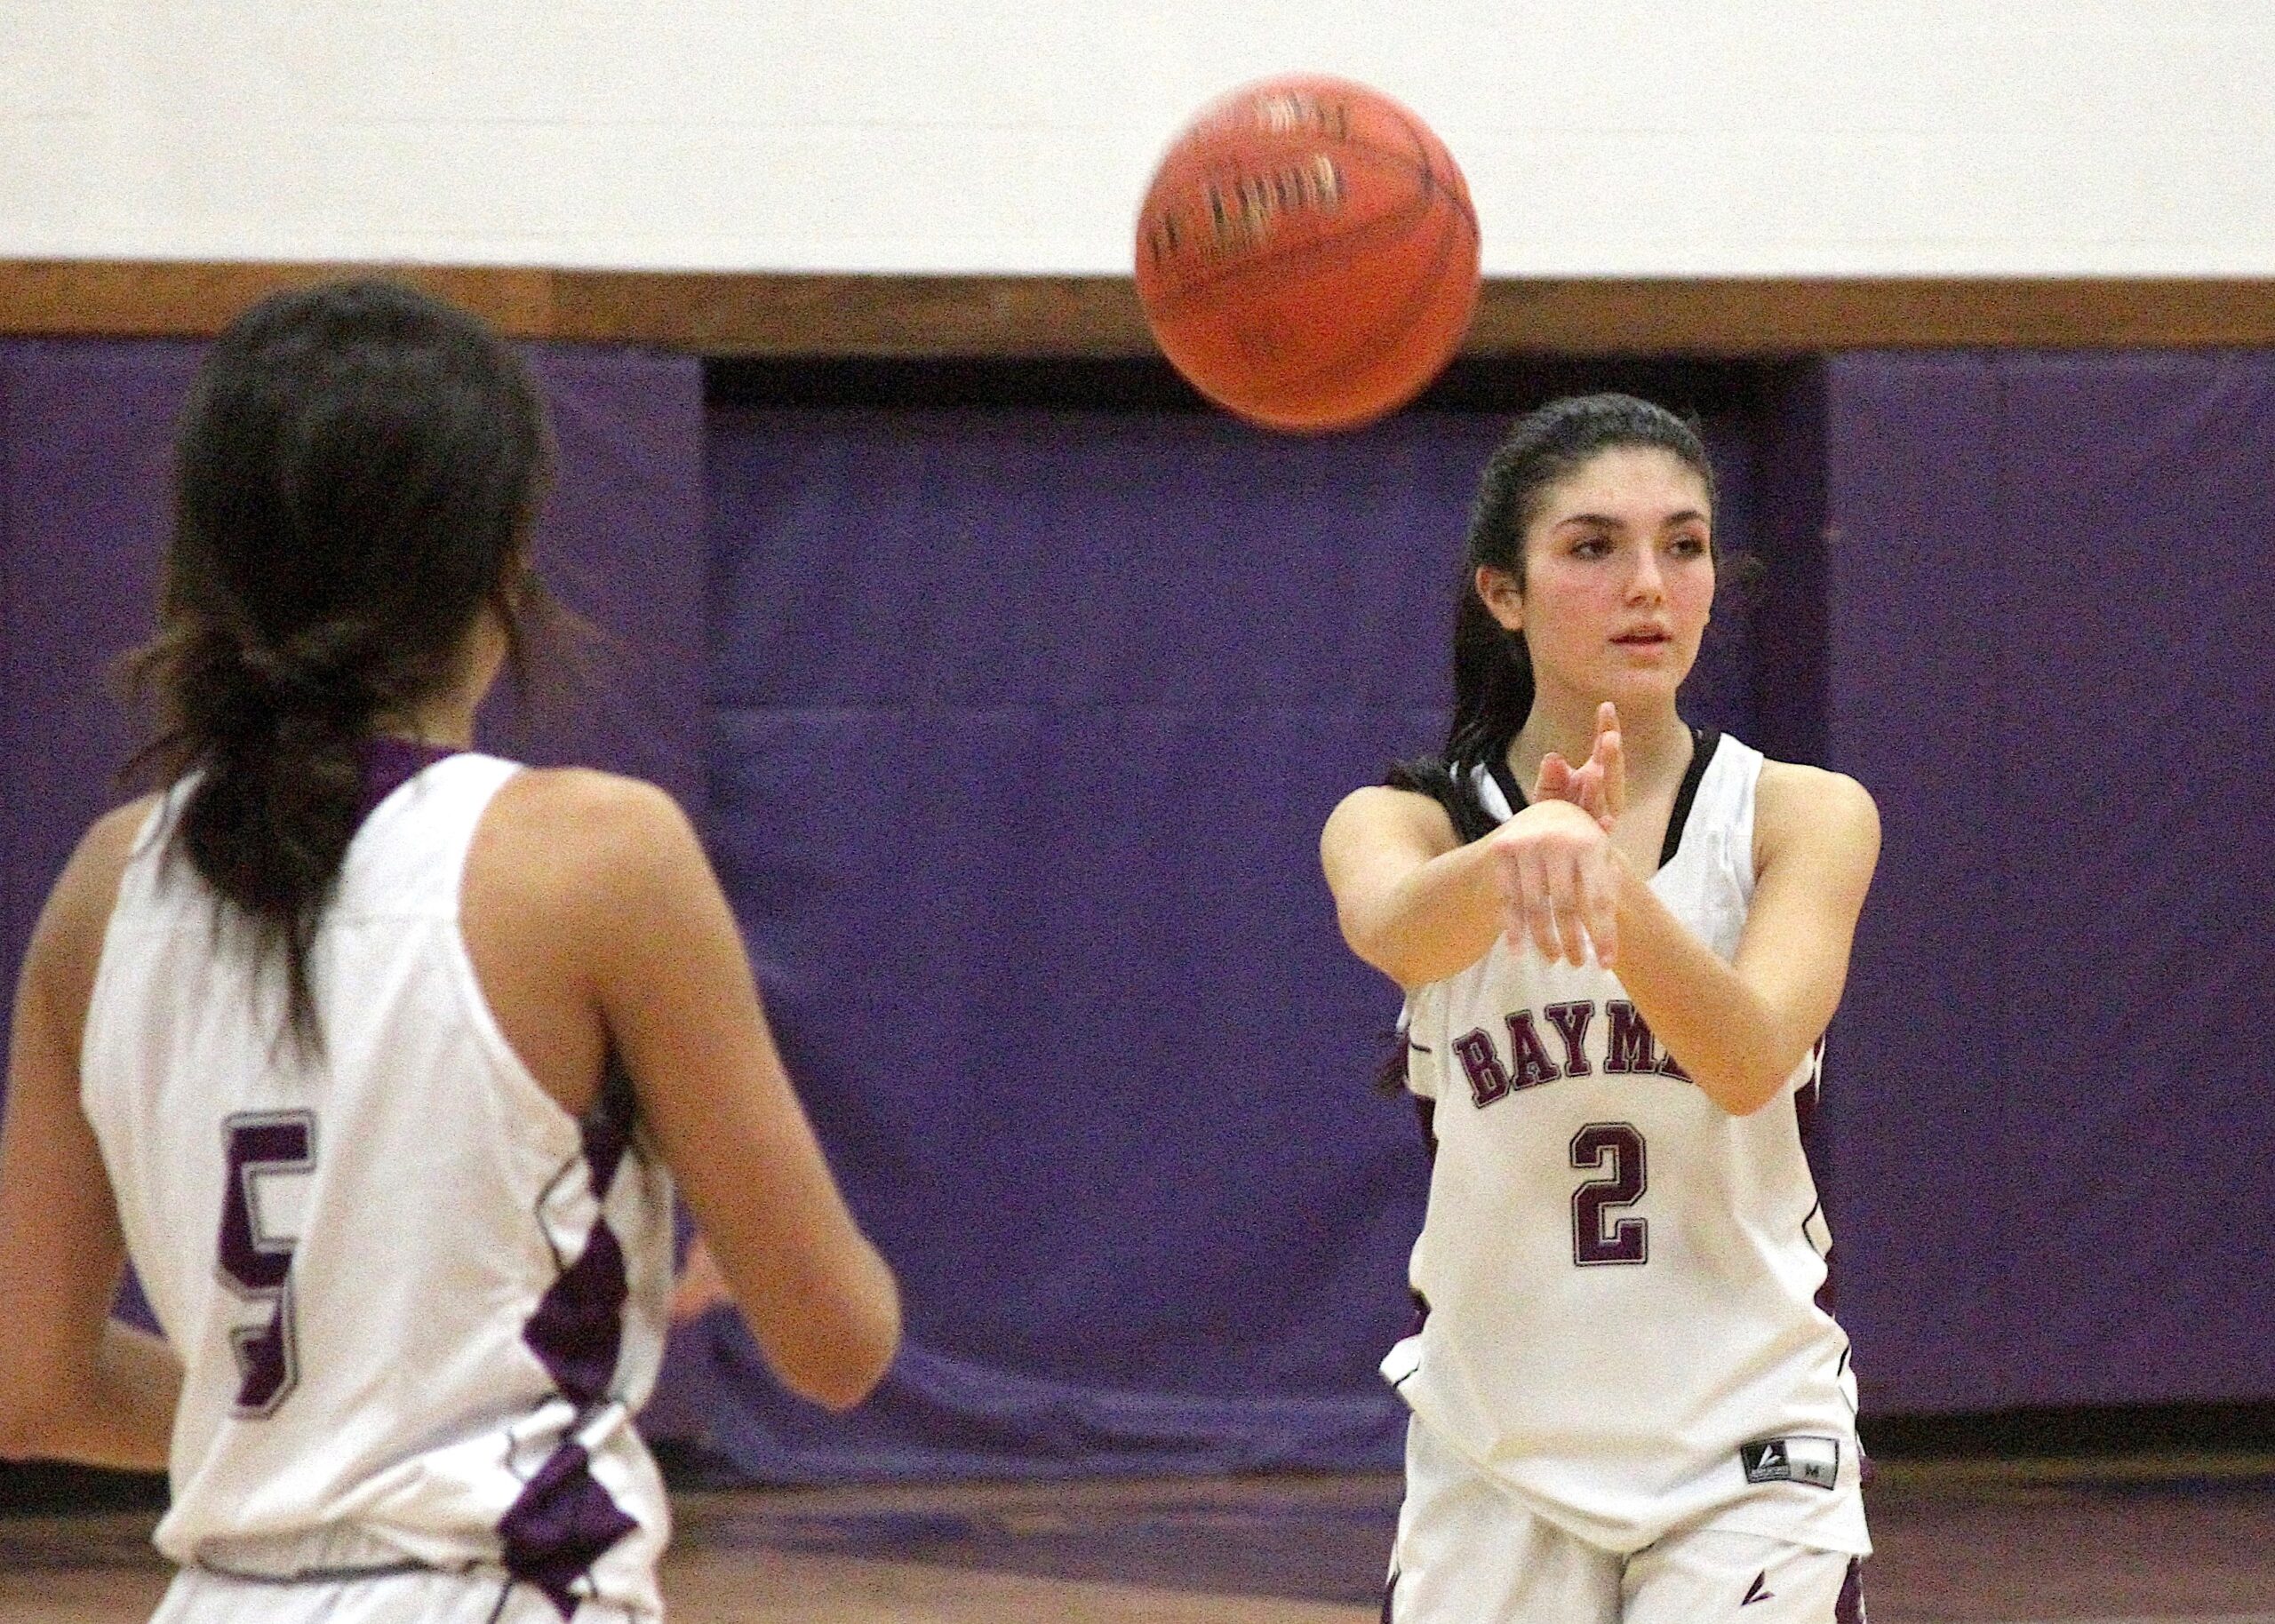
(1493, 681)
(356, 474)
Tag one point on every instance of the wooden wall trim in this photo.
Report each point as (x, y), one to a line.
(1097, 316)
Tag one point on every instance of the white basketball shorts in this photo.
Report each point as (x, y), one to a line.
(1468, 1553)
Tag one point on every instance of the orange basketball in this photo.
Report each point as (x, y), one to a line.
(1307, 254)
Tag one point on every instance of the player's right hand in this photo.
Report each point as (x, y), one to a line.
(1556, 876)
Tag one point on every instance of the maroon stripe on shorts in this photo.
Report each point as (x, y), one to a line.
(1849, 1609)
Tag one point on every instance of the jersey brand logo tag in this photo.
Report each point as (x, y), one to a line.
(1759, 1590)
(1795, 1459)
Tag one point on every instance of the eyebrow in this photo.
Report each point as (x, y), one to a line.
(1689, 515)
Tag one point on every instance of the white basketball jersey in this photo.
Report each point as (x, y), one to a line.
(417, 1304)
(1620, 1278)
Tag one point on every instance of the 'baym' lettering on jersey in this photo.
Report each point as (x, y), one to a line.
(1629, 1050)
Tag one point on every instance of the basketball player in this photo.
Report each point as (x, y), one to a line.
(372, 1051)
(1626, 1404)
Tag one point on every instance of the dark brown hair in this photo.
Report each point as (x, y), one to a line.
(355, 477)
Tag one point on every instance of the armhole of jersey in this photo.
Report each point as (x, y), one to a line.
(1512, 793)
(1704, 743)
(1449, 785)
(136, 880)
(146, 851)
(1419, 1038)
(512, 1069)
(1497, 794)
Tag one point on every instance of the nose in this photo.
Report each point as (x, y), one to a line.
(1646, 585)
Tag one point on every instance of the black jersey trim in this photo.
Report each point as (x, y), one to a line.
(1500, 767)
(1448, 785)
(1703, 741)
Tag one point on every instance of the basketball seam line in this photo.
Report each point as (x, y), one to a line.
(1282, 259)
(1371, 353)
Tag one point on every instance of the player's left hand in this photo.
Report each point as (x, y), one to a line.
(700, 1286)
(1598, 787)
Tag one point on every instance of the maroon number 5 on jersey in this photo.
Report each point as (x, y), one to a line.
(259, 1229)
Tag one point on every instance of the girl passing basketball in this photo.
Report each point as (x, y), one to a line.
(1621, 938)
(372, 1051)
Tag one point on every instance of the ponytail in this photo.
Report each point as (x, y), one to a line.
(355, 477)
(1492, 685)
(278, 792)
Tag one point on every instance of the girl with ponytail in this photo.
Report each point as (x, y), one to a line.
(1620, 939)
(377, 1054)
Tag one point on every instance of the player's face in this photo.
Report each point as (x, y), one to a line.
(1619, 578)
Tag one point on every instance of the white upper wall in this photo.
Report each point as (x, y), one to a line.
(1601, 137)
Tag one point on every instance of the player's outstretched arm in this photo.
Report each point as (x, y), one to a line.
(1411, 899)
(74, 1384)
(675, 992)
(1418, 905)
(1740, 1028)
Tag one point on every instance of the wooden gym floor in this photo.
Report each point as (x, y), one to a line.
(2176, 1540)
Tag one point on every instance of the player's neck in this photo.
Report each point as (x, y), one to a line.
(1655, 743)
(446, 725)
(446, 719)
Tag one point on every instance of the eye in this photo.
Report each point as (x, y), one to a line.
(1691, 545)
(1592, 546)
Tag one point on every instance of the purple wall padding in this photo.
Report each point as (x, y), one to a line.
(1027, 723)
(2049, 601)
(85, 429)
(622, 542)
(1021, 727)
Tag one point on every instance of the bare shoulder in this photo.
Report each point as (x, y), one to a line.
(570, 870)
(1800, 808)
(583, 822)
(109, 840)
(1378, 814)
(587, 798)
(68, 943)
(89, 887)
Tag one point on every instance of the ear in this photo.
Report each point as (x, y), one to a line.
(1503, 597)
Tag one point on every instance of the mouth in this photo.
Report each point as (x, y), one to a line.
(1645, 637)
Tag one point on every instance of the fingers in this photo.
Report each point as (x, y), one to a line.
(1599, 902)
(1508, 880)
(1563, 884)
(1538, 914)
(1610, 757)
(700, 1287)
(1598, 787)
(1554, 890)
(1586, 791)
(1554, 782)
